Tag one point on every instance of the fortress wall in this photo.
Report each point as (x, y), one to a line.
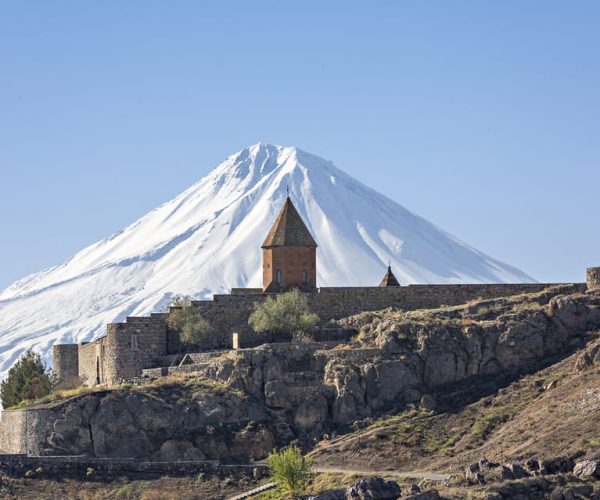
(340, 302)
(66, 362)
(122, 358)
(90, 362)
(23, 431)
(132, 346)
(125, 350)
(228, 313)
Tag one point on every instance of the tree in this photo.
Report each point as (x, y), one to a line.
(288, 313)
(188, 323)
(291, 471)
(27, 380)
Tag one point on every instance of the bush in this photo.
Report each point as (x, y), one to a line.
(290, 470)
(287, 313)
(26, 380)
(188, 323)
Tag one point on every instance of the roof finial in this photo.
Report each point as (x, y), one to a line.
(287, 188)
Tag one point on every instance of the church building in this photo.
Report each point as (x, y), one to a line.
(289, 253)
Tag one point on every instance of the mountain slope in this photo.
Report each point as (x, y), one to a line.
(207, 240)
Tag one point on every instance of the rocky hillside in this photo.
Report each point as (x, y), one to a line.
(480, 368)
(175, 418)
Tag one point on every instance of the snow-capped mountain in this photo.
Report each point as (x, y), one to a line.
(207, 240)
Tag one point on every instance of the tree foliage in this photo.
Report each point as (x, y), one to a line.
(27, 380)
(287, 313)
(291, 471)
(185, 319)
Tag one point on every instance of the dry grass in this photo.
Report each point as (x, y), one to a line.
(57, 396)
(528, 418)
(160, 488)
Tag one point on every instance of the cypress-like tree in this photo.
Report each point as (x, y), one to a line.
(27, 379)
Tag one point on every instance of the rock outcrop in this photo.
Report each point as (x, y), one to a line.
(259, 398)
(187, 422)
(403, 357)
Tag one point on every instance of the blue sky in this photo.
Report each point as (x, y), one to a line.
(481, 116)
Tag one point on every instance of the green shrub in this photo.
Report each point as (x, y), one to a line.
(26, 380)
(291, 471)
(191, 327)
(287, 313)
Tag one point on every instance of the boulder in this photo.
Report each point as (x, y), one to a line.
(428, 402)
(312, 414)
(518, 471)
(330, 495)
(557, 465)
(179, 450)
(589, 358)
(426, 495)
(587, 468)
(277, 394)
(374, 488)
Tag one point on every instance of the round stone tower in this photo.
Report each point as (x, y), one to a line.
(593, 279)
(65, 362)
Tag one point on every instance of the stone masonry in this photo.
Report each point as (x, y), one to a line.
(593, 278)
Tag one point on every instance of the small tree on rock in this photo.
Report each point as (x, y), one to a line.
(27, 379)
(287, 313)
(291, 471)
(188, 323)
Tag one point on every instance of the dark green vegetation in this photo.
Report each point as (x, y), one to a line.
(26, 380)
(288, 313)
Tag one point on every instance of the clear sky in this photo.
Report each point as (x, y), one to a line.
(481, 116)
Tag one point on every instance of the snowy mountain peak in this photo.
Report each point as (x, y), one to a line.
(207, 240)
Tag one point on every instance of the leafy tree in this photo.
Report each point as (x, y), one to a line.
(27, 379)
(291, 471)
(188, 323)
(287, 313)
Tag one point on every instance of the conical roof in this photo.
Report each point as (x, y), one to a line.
(289, 229)
(389, 279)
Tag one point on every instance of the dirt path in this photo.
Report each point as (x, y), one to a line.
(432, 476)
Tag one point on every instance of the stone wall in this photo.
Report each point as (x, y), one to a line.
(81, 467)
(23, 431)
(66, 362)
(593, 279)
(134, 345)
(126, 349)
(91, 362)
(229, 313)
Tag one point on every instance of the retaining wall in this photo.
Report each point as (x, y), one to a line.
(23, 431)
(89, 468)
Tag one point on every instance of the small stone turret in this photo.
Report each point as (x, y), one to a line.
(593, 279)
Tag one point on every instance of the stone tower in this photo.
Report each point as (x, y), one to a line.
(389, 279)
(289, 253)
(593, 279)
